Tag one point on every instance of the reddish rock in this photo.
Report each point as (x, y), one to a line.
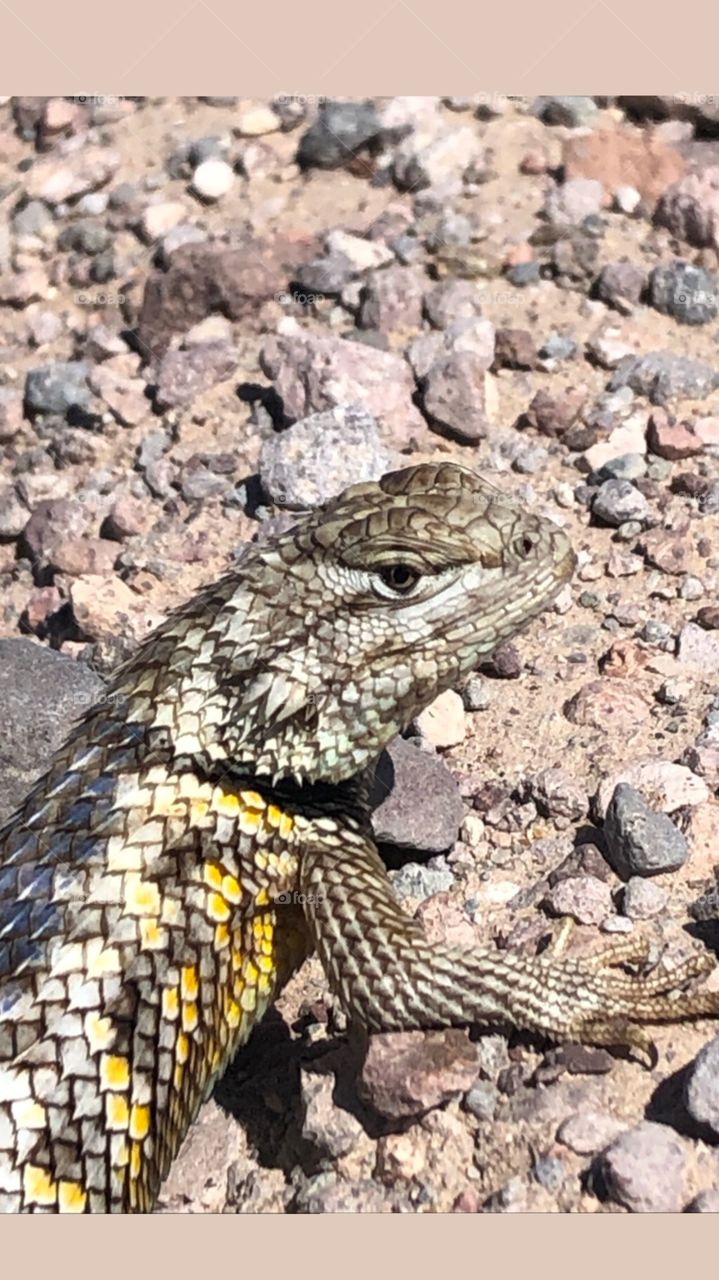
(553, 413)
(666, 551)
(204, 278)
(457, 396)
(534, 162)
(514, 349)
(616, 158)
(76, 556)
(608, 705)
(672, 440)
(407, 1073)
(41, 605)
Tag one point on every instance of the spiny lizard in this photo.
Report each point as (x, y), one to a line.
(206, 825)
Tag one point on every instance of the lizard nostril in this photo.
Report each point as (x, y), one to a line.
(524, 546)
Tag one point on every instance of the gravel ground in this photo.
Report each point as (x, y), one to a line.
(215, 313)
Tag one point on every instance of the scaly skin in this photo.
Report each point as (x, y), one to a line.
(149, 885)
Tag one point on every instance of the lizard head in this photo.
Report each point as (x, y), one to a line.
(371, 606)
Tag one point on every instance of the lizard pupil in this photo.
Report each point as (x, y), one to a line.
(400, 577)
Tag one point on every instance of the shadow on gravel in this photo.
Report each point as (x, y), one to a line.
(666, 1106)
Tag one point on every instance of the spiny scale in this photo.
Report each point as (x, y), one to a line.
(148, 885)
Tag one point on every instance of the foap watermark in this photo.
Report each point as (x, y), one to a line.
(293, 898)
(97, 99)
(99, 299)
(300, 99)
(289, 297)
(695, 99)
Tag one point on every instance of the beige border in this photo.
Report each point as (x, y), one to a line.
(485, 1246)
(377, 46)
(345, 49)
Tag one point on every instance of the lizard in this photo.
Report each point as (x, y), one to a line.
(206, 826)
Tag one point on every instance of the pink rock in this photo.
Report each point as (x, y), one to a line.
(707, 431)
(671, 440)
(699, 649)
(664, 785)
(611, 704)
(24, 287)
(55, 181)
(124, 397)
(690, 208)
(313, 373)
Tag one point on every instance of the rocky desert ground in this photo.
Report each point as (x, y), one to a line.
(217, 312)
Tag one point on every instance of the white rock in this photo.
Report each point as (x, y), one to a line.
(443, 722)
(158, 219)
(212, 179)
(256, 121)
(365, 255)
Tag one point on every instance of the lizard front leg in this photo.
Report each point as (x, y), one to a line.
(389, 978)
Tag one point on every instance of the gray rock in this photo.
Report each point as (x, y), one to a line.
(332, 1130)
(558, 347)
(454, 396)
(644, 1169)
(392, 300)
(629, 466)
(702, 1087)
(416, 800)
(317, 458)
(642, 899)
(184, 374)
(641, 842)
(574, 201)
(57, 388)
(324, 277)
(559, 795)
(42, 694)
(663, 376)
(689, 293)
(588, 1131)
(617, 501)
(585, 898)
(482, 1100)
(561, 109)
(476, 694)
(620, 285)
(421, 880)
(33, 219)
(452, 300)
(14, 515)
(87, 236)
(339, 132)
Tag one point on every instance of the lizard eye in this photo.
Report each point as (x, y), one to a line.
(400, 578)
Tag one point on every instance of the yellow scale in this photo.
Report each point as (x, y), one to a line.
(238, 1007)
